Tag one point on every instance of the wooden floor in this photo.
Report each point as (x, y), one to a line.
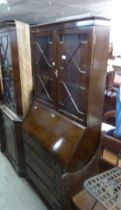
(84, 201)
(110, 157)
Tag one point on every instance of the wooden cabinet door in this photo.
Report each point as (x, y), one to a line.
(7, 71)
(73, 66)
(43, 65)
(10, 138)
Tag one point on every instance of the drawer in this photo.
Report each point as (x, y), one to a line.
(51, 200)
(43, 154)
(45, 179)
(41, 164)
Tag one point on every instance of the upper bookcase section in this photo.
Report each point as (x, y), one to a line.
(69, 66)
(16, 70)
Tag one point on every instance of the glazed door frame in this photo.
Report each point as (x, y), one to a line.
(71, 86)
(7, 75)
(73, 65)
(44, 53)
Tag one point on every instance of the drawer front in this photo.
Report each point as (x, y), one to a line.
(43, 166)
(45, 179)
(43, 190)
(43, 154)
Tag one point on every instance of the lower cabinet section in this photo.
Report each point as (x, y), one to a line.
(58, 154)
(12, 141)
(51, 185)
(44, 171)
(36, 148)
(33, 159)
(52, 201)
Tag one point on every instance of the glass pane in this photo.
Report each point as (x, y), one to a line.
(73, 73)
(7, 74)
(43, 68)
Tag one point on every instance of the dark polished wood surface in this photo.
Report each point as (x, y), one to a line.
(72, 183)
(111, 143)
(12, 143)
(62, 127)
(56, 133)
(72, 144)
(86, 21)
(98, 75)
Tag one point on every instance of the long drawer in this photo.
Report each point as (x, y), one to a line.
(45, 179)
(43, 154)
(53, 176)
(44, 190)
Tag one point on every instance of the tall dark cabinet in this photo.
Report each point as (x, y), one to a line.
(16, 86)
(61, 131)
(67, 65)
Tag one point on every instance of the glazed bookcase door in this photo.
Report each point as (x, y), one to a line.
(7, 71)
(44, 64)
(73, 66)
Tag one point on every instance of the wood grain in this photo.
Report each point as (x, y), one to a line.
(24, 53)
(84, 201)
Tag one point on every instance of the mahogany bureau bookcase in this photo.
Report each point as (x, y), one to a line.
(16, 84)
(61, 131)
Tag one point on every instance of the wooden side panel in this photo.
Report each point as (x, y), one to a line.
(86, 148)
(16, 72)
(72, 183)
(24, 54)
(100, 43)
